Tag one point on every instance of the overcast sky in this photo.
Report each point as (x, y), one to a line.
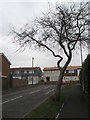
(18, 13)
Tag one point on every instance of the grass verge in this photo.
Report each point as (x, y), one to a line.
(50, 108)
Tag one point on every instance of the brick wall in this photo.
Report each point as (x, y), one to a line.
(4, 83)
(5, 67)
(19, 83)
(8, 83)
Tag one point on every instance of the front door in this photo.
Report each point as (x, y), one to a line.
(47, 79)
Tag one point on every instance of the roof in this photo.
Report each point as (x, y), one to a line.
(26, 68)
(51, 68)
(2, 54)
(74, 67)
(56, 68)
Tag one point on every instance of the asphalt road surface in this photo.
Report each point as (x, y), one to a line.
(76, 105)
(18, 104)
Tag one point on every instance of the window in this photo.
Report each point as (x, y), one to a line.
(17, 77)
(25, 71)
(67, 71)
(78, 71)
(17, 71)
(22, 71)
(53, 71)
(29, 71)
(47, 72)
(11, 72)
(71, 71)
(54, 78)
(58, 72)
(24, 78)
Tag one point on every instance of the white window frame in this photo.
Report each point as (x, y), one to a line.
(29, 71)
(25, 71)
(71, 71)
(53, 71)
(17, 72)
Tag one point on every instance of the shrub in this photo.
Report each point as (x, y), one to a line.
(84, 73)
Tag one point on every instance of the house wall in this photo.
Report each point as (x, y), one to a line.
(5, 83)
(0, 87)
(35, 79)
(0, 74)
(5, 67)
(69, 75)
(27, 74)
(53, 75)
(70, 78)
(74, 73)
(73, 76)
(0, 65)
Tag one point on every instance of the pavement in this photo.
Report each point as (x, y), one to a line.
(18, 104)
(76, 105)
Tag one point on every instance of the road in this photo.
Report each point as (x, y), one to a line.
(18, 104)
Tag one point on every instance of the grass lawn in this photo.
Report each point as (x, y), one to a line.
(50, 108)
(12, 90)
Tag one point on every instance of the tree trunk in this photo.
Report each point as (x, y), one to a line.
(60, 78)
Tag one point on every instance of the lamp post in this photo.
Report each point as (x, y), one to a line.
(32, 68)
(81, 52)
(71, 75)
(80, 48)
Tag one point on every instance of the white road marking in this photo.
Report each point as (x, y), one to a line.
(34, 91)
(18, 97)
(49, 91)
(29, 93)
(59, 111)
(57, 115)
(11, 99)
(46, 87)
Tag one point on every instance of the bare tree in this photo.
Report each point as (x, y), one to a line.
(89, 29)
(63, 28)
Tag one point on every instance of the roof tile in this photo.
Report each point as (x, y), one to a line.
(56, 68)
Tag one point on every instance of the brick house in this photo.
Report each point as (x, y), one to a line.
(5, 70)
(32, 74)
(5, 75)
(72, 73)
(52, 73)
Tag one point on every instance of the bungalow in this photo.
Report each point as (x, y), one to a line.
(52, 73)
(32, 74)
